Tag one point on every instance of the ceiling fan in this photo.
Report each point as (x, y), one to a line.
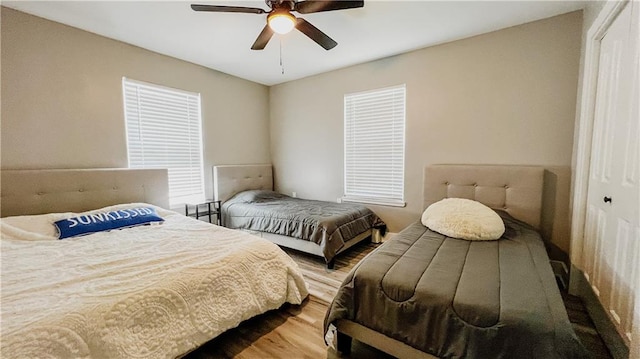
(280, 19)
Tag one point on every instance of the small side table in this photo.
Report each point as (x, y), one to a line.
(213, 209)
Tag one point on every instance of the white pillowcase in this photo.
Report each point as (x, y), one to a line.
(464, 219)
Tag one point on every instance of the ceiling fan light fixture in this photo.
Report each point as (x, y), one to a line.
(281, 22)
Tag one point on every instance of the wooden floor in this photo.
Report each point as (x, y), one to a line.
(296, 331)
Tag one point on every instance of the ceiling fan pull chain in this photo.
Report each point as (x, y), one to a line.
(281, 65)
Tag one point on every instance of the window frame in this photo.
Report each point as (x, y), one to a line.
(383, 201)
(176, 201)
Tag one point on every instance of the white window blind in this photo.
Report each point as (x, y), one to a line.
(164, 131)
(374, 124)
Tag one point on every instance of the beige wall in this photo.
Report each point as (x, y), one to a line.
(590, 12)
(62, 99)
(506, 97)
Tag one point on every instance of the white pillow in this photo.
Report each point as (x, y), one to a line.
(464, 219)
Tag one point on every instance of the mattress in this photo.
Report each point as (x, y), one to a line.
(145, 292)
(328, 224)
(454, 298)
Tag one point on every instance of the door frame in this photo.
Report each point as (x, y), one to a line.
(585, 113)
(584, 135)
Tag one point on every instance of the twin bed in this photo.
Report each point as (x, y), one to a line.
(320, 228)
(425, 295)
(163, 290)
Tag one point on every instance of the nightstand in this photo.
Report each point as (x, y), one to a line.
(212, 209)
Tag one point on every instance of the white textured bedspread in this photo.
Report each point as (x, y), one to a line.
(145, 292)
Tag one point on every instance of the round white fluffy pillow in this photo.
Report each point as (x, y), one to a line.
(464, 219)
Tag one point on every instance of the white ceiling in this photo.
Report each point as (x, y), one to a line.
(222, 41)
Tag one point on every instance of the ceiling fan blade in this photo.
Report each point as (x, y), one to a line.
(263, 38)
(311, 6)
(215, 8)
(315, 34)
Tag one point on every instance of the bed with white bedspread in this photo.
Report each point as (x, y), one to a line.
(153, 291)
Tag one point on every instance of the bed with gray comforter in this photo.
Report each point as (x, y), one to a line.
(454, 298)
(328, 224)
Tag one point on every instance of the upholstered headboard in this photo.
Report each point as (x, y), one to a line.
(516, 190)
(231, 179)
(24, 192)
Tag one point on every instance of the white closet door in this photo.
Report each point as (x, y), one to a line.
(612, 231)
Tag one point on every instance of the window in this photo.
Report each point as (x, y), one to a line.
(164, 131)
(374, 146)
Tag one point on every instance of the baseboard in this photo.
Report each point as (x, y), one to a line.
(616, 345)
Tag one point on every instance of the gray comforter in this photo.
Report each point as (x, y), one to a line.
(454, 298)
(328, 224)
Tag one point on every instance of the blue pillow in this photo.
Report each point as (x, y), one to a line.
(106, 221)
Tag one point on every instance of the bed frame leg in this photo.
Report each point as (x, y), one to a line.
(331, 264)
(344, 343)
